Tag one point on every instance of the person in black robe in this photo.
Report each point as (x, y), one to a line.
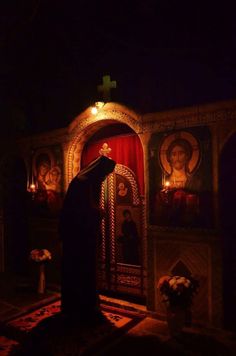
(79, 226)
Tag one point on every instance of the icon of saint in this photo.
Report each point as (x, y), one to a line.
(122, 189)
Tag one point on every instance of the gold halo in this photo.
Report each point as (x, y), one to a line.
(194, 160)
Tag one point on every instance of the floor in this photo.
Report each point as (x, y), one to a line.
(149, 337)
(19, 297)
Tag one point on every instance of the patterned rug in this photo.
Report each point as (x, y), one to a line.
(7, 345)
(45, 328)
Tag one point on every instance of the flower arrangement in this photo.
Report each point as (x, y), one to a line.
(40, 255)
(178, 291)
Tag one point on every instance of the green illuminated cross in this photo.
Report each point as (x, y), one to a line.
(106, 86)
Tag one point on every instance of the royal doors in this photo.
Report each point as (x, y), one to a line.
(122, 246)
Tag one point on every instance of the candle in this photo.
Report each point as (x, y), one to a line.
(167, 184)
(32, 188)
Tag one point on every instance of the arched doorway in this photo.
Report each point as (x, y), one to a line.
(227, 194)
(122, 246)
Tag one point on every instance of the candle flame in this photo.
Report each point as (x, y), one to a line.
(32, 187)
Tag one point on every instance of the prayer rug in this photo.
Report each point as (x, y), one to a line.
(44, 328)
(7, 345)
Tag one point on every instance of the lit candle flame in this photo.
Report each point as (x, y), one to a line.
(32, 188)
(167, 184)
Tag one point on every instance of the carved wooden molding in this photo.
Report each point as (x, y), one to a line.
(188, 120)
(85, 129)
(127, 280)
(103, 227)
(111, 212)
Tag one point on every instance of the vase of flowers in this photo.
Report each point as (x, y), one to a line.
(41, 256)
(177, 293)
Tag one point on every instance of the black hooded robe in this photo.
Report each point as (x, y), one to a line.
(78, 228)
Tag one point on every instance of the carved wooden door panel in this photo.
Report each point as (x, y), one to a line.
(122, 247)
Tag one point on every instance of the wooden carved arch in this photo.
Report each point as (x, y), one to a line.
(83, 128)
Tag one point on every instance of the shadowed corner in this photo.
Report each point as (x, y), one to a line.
(186, 344)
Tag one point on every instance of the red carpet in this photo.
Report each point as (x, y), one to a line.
(7, 345)
(44, 328)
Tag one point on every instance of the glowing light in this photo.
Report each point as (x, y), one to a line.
(98, 105)
(94, 110)
(32, 188)
(167, 184)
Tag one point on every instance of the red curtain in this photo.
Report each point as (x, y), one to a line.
(126, 150)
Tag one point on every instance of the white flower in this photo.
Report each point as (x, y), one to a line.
(172, 281)
(181, 280)
(187, 283)
(40, 255)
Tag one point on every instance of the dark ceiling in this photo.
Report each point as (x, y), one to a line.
(162, 54)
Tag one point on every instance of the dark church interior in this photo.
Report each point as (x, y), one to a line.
(117, 178)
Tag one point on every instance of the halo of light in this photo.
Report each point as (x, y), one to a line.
(195, 159)
(94, 110)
